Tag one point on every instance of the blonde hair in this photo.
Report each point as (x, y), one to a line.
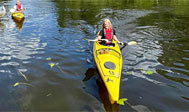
(109, 23)
(17, 1)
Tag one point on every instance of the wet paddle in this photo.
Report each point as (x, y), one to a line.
(13, 10)
(129, 43)
(125, 43)
(96, 40)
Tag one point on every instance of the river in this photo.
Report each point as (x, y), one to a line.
(46, 64)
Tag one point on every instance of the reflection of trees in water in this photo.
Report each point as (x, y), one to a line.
(169, 36)
(88, 9)
(2, 26)
(103, 93)
(76, 10)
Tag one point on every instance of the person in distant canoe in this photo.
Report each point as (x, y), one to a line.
(18, 6)
(107, 33)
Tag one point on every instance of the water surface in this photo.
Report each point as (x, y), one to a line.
(54, 32)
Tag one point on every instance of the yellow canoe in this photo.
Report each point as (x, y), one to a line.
(109, 63)
(18, 16)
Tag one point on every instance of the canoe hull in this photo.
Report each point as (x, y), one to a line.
(18, 16)
(109, 63)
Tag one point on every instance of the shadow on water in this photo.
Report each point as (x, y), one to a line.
(102, 91)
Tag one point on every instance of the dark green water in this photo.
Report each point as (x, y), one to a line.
(54, 32)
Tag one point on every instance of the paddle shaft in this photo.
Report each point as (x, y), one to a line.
(124, 45)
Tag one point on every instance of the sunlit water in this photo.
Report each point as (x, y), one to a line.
(52, 64)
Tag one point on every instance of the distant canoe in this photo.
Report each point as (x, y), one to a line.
(18, 16)
(2, 11)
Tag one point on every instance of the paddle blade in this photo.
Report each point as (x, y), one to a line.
(91, 40)
(12, 10)
(132, 43)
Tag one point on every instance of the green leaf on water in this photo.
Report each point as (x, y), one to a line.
(51, 64)
(149, 72)
(121, 101)
(16, 84)
(129, 73)
(22, 83)
(48, 59)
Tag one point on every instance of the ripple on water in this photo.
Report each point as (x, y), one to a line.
(179, 64)
(185, 58)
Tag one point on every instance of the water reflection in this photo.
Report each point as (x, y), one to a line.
(19, 24)
(2, 26)
(102, 91)
(56, 28)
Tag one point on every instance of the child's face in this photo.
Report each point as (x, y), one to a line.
(106, 25)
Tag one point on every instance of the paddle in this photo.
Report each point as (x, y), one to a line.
(24, 9)
(13, 10)
(129, 43)
(96, 40)
(125, 43)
